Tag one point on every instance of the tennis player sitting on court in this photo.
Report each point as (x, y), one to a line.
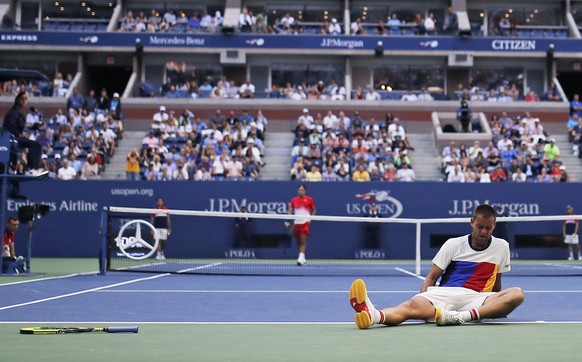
(470, 269)
(301, 205)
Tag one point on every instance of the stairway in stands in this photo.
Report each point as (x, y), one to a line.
(278, 145)
(424, 158)
(116, 168)
(573, 163)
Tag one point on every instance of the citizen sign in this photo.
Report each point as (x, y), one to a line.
(499, 44)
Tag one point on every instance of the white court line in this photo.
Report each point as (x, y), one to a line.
(83, 292)
(41, 279)
(198, 268)
(565, 266)
(283, 291)
(261, 323)
(140, 266)
(410, 273)
(249, 291)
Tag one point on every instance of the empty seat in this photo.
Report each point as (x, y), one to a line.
(49, 26)
(76, 26)
(64, 27)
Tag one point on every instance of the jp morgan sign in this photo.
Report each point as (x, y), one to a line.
(523, 45)
(341, 43)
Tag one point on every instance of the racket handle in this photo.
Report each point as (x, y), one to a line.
(127, 329)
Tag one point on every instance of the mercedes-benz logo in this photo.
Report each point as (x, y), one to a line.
(127, 242)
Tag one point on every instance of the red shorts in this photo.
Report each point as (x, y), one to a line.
(301, 230)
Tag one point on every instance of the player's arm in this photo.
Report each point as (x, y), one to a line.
(432, 277)
(313, 210)
(12, 252)
(497, 286)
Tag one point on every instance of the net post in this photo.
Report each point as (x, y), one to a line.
(418, 228)
(104, 228)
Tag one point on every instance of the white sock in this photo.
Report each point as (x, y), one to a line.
(470, 315)
(301, 255)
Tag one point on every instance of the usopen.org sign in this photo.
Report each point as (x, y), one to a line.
(388, 206)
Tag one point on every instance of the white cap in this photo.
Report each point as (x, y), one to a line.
(58, 155)
(162, 108)
(116, 95)
(44, 156)
(100, 117)
(562, 167)
(305, 110)
(334, 20)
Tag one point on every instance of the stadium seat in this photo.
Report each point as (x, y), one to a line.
(561, 34)
(59, 145)
(205, 93)
(64, 27)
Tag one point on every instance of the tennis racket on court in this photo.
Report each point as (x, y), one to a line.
(63, 330)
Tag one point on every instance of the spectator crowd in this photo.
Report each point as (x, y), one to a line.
(519, 151)
(171, 21)
(183, 146)
(336, 147)
(77, 141)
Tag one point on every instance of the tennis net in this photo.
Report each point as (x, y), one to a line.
(236, 243)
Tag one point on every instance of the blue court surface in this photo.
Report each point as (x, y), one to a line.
(132, 297)
(260, 316)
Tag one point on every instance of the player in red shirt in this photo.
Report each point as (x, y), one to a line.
(301, 205)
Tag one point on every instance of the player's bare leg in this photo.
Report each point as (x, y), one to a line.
(501, 304)
(498, 305)
(301, 246)
(415, 308)
(367, 315)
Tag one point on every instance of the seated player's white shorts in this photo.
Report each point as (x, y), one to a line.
(455, 298)
(571, 239)
(163, 234)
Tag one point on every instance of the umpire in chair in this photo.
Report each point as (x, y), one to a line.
(14, 122)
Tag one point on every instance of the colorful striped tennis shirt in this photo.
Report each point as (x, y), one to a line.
(469, 268)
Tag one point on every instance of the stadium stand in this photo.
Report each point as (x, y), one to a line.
(337, 65)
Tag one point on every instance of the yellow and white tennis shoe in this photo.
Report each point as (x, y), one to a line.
(366, 313)
(447, 317)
